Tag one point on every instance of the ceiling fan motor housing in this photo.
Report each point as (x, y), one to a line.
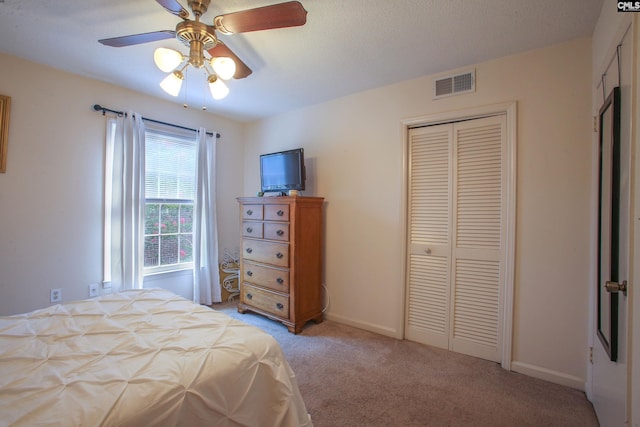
(198, 37)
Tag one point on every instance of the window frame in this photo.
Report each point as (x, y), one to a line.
(180, 137)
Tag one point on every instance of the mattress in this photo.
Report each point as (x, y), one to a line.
(142, 358)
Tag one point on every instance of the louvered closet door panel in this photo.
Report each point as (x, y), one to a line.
(479, 212)
(479, 185)
(429, 186)
(429, 235)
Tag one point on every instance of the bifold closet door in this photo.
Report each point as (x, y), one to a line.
(456, 236)
(430, 178)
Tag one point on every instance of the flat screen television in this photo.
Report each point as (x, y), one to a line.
(282, 171)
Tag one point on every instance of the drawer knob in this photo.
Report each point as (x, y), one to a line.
(280, 212)
(279, 232)
(249, 212)
(279, 255)
(249, 273)
(249, 296)
(279, 306)
(279, 280)
(249, 250)
(249, 230)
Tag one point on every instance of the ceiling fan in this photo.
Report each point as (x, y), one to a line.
(200, 37)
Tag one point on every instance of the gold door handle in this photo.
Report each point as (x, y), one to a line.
(615, 287)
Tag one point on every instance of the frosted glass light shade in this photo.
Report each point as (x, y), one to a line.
(217, 88)
(172, 83)
(167, 59)
(224, 67)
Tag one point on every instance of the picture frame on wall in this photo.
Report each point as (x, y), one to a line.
(5, 108)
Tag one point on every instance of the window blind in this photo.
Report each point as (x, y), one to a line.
(170, 166)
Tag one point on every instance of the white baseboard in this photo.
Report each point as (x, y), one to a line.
(371, 327)
(548, 375)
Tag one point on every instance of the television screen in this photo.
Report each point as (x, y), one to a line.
(282, 171)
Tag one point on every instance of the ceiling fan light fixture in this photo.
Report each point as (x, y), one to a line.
(224, 67)
(217, 87)
(172, 83)
(167, 59)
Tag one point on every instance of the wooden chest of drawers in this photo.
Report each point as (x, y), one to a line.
(281, 258)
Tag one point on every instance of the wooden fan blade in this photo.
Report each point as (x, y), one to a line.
(138, 38)
(290, 14)
(174, 7)
(221, 49)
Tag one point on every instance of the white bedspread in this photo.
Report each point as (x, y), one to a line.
(142, 358)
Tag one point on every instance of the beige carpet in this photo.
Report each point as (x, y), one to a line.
(350, 377)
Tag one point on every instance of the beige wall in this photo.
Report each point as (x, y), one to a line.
(51, 197)
(354, 152)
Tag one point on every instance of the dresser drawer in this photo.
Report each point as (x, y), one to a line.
(252, 229)
(266, 300)
(266, 252)
(276, 212)
(266, 277)
(276, 231)
(252, 212)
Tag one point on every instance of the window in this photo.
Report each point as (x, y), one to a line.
(170, 184)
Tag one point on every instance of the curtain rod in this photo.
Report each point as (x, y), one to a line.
(98, 107)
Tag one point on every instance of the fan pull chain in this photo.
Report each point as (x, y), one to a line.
(204, 90)
(186, 89)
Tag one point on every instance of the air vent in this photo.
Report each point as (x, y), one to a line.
(454, 85)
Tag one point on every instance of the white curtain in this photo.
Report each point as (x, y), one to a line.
(124, 202)
(206, 275)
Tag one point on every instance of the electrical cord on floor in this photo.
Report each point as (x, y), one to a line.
(326, 293)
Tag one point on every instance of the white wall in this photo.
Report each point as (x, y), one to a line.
(354, 151)
(51, 197)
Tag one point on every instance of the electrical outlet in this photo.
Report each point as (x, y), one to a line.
(56, 295)
(93, 290)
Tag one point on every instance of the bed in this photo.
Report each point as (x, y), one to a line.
(142, 358)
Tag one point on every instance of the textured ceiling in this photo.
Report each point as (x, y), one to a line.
(345, 47)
